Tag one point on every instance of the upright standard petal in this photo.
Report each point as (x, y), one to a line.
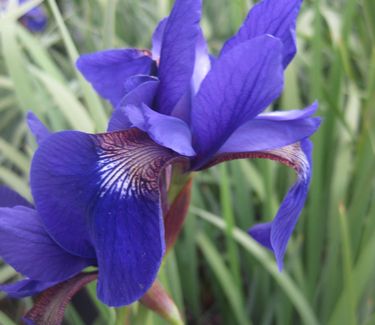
(240, 85)
(202, 65)
(178, 137)
(157, 39)
(108, 183)
(178, 53)
(27, 247)
(273, 130)
(10, 198)
(38, 129)
(202, 62)
(108, 70)
(273, 17)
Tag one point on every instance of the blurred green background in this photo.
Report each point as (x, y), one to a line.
(217, 274)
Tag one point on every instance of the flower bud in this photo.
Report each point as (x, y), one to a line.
(158, 300)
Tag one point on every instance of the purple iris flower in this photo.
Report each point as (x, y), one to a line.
(99, 195)
(34, 20)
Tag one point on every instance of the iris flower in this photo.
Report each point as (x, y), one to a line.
(34, 20)
(100, 197)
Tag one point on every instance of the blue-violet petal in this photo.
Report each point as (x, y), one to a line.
(108, 70)
(168, 131)
(142, 94)
(10, 198)
(178, 53)
(25, 288)
(27, 247)
(240, 85)
(106, 187)
(37, 128)
(273, 130)
(276, 234)
(273, 17)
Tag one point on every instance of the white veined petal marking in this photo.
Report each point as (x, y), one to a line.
(129, 164)
(291, 156)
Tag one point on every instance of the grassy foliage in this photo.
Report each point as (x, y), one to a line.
(217, 274)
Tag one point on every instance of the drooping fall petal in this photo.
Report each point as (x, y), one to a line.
(106, 189)
(276, 234)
